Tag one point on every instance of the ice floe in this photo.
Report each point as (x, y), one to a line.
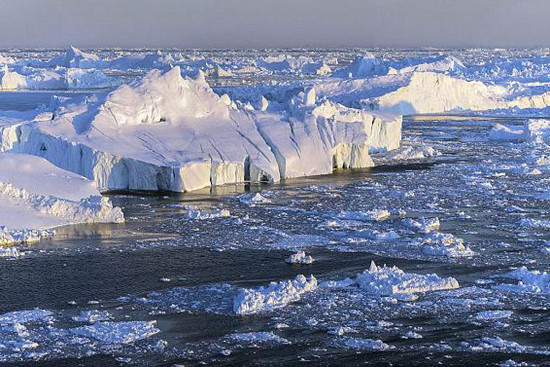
(529, 281)
(445, 244)
(299, 257)
(276, 295)
(392, 281)
(121, 332)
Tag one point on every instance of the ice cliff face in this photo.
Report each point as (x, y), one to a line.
(167, 132)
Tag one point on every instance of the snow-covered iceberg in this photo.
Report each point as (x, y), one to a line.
(167, 132)
(35, 196)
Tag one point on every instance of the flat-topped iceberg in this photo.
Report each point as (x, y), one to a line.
(35, 196)
(168, 132)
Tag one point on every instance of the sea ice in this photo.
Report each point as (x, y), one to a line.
(258, 337)
(92, 316)
(121, 332)
(371, 215)
(445, 244)
(194, 213)
(35, 196)
(276, 295)
(299, 257)
(422, 225)
(152, 118)
(493, 315)
(529, 281)
(22, 317)
(364, 344)
(388, 281)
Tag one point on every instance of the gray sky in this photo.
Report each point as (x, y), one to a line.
(274, 23)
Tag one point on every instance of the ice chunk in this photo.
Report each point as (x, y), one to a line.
(276, 295)
(422, 225)
(411, 335)
(92, 316)
(364, 66)
(493, 315)
(537, 131)
(299, 257)
(22, 317)
(371, 215)
(258, 337)
(535, 223)
(365, 344)
(388, 281)
(412, 153)
(75, 58)
(506, 133)
(8, 251)
(122, 332)
(194, 213)
(257, 198)
(529, 281)
(445, 244)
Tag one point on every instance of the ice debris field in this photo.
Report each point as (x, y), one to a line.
(197, 206)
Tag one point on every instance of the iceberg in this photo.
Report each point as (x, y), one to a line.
(36, 196)
(75, 58)
(364, 66)
(172, 133)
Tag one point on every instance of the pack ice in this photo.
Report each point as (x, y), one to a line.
(36, 196)
(168, 132)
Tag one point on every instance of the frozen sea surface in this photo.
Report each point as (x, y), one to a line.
(162, 288)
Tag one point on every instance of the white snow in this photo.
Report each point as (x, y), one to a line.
(36, 196)
(276, 295)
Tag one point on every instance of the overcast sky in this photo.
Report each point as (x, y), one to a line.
(274, 23)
